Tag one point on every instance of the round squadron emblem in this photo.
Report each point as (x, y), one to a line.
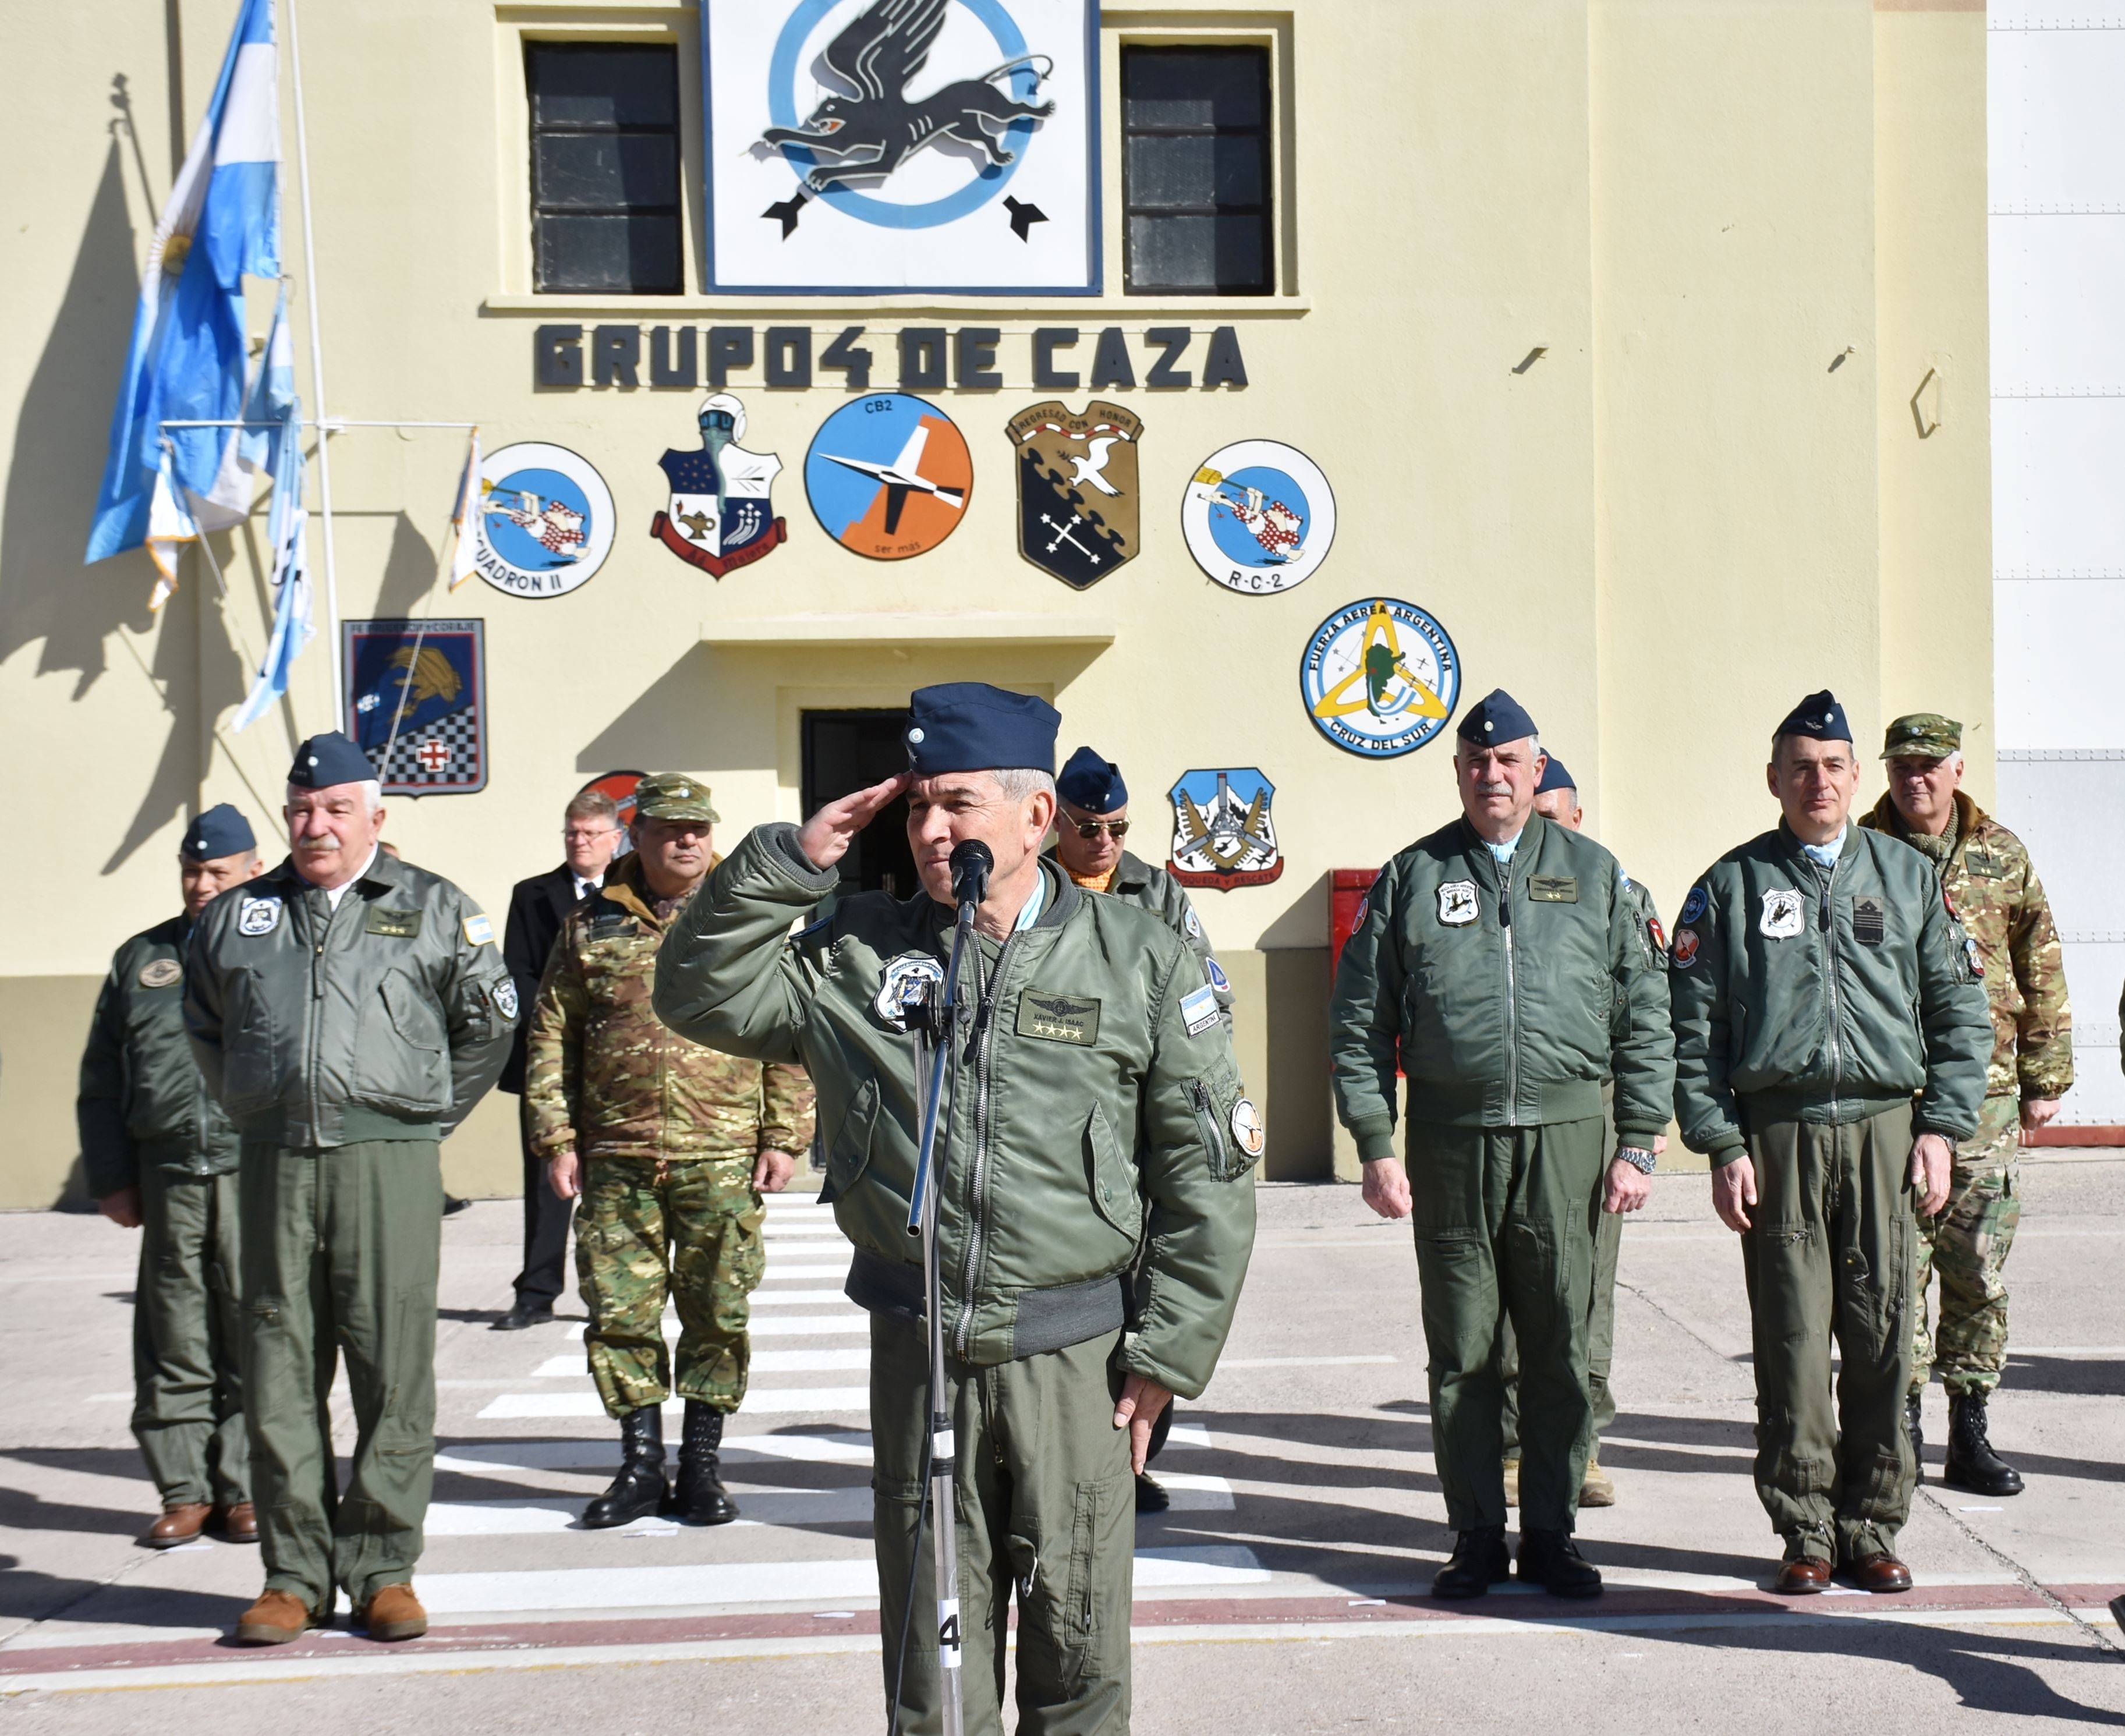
(159, 973)
(545, 520)
(1247, 1128)
(888, 476)
(906, 986)
(1259, 516)
(1379, 678)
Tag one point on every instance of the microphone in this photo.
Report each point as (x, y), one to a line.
(971, 865)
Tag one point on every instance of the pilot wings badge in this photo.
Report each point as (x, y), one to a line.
(1078, 517)
(720, 517)
(1222, 834)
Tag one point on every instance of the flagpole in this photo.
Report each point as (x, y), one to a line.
(317, 370)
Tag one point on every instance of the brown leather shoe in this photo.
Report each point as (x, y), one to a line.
(1800, 1576)
(1880, 1572)
(275, 1619)
(394, 1613)
(179, 1524)
(237, 1524)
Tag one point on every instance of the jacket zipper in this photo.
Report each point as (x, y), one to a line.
(1827, 924)
(1512, 994)
(1213, 1135)
(977, 1192)
(316, 1032)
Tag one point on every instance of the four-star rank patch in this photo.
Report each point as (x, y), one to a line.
(1059, 1017)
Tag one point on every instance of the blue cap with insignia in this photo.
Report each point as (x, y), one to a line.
(1554, 776)
(220, 831)
(1495, 717)
(329, 759)
(1820, 718)
(1092, 783)
(972, 727)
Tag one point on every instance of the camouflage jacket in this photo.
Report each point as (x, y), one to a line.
(605, 1077)
(1990, 880)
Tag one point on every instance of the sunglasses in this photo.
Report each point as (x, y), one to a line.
(1089, 829)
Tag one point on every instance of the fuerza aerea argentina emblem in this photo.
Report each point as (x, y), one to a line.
(1380, 677)
(545, 520)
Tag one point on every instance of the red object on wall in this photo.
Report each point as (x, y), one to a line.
(1346, 897)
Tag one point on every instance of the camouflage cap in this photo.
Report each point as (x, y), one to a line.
(673, 796)
(1923, 734)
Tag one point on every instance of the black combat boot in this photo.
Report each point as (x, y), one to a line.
(1551, 1560)
(1480, 1560)
(699, 1498)
(1914, 1428)
(638, 1490)
(1971, 1463)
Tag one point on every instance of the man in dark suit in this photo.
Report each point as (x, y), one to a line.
(590, 834)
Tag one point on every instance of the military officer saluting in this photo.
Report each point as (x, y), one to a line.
(670, 1146)
(1831, 1044)
(1500, 964)
(1986, 871)
(161, 1158)
(348, 1009)
(1099, 1115)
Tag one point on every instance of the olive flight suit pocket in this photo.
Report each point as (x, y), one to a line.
(1226, 1121)
(1111, 1177)
(849, 1155)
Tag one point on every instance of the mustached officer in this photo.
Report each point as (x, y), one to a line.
(1089, 829)
(161, 1159)
(348, 1009)
(1832, 1037)
(1098, 1131)
(1499, 963)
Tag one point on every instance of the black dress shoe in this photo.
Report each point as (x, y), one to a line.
(452, 1205)
(1551, 1560)
(523, 1314)
(639, 1491)
(1480, 1560)
(1971, 1464)
(1151, 1495)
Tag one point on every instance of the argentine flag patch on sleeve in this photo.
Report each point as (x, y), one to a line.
(479, 931)
(1199, 1009)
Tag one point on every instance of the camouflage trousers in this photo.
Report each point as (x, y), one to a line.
(1967, 1247)
(689, 1231)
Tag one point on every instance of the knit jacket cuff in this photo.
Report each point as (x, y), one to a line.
(1375, 1138)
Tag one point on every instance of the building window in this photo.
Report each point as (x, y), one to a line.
(1196, 170)
(604, 168)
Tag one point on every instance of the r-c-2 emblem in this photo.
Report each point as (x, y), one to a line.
(1380, 677)
(1259, 516)
(719, 516)
(1078, 517)
(1222, 834)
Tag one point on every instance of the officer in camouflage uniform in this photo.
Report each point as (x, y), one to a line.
(1986, 871)
(161, 1158)
(1557, 800)
(670, 1146)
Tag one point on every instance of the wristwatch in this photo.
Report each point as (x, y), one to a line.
(1637, 1157)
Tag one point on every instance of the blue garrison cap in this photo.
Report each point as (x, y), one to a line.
(220, 831)
(329, 759)
(1092, 783)
(1819, 716)
(1554, 776)
(972, 727)
(1496, 716)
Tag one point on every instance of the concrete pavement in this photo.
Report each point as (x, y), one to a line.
(1282, 1593)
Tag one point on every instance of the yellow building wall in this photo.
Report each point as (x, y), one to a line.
(1659, 532)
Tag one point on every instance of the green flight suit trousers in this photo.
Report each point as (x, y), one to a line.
(187, 1334)
(1046, 1505)
(1504, 1231)
(1600, 1337)
(342, 1249)
(1830, 1261)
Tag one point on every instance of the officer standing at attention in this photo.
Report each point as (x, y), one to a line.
(1557, 800)
(1501, 963)
(1089, 829)
(161, 1158)
(670, 1146)
(348, 1009)
(1820, 984)
(1098, 1115)
(1986, 872)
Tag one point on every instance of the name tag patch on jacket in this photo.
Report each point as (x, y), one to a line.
(1553, 888)
(1783, 915)
(1060, 1017)
(1985, 867)
(1456, 903)
(258, 916)
(1199, 1009)
(478, 932)
(399, 924)
(605, 928)
(159, 973)
(1867, 921)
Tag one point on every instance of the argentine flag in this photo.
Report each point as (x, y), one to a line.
(186, 363)
(279, 448)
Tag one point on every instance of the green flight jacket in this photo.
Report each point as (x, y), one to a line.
(387, 1018)
(1823, 995)
(141, 1100)
(1096, 1109)
(1506, 993)
(1152, 889)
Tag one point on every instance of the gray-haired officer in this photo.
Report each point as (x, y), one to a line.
(1099, 1117)
(161, 1158)
(348, 1009)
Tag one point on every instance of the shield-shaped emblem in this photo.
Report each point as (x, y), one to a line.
(1222, 834)
(1078, 513)
(417, 702)
(719, 516)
